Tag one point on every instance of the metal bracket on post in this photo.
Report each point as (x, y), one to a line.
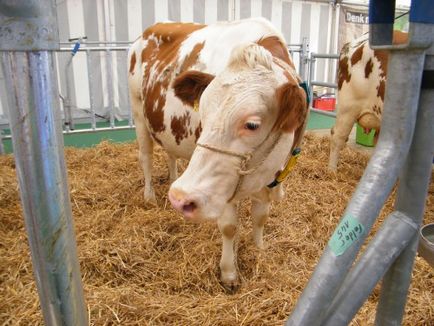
(304, 53)
(337, 289)
(28, 35)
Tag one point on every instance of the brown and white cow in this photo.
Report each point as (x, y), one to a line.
(231, 89)
(362, 75)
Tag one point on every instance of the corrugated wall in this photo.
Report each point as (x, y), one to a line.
(116, 20)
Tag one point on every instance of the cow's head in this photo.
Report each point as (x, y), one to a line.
(253, 106)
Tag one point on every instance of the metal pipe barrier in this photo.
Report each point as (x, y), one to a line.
(69, 117)
(108, 50)
(28, 37)
(303, 51)
(2, 149)
(335, 293)
(311, 82)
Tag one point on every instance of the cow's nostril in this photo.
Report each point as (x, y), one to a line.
(189, 207)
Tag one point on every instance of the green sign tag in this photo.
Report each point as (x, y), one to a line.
(348, 231)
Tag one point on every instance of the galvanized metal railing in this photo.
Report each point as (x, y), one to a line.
(405, 149)
(303, 51)
(312, 82)
(28, 37)
(80, 45)
(89, 47)
(108, 48)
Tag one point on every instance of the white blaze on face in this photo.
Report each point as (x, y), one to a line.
(238, 111)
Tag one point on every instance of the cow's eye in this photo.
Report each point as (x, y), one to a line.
(251, 125)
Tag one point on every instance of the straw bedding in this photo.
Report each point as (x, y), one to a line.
(143, 265)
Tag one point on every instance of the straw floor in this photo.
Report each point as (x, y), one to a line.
(143, 265)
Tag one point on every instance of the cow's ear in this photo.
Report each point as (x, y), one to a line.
(292, 107)
(190, 85)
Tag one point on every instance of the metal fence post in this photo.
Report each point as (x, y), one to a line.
(29, 35)
(109, 65)
(405, 147)
(91, 91)
(312, 61)
(413, 186)
(2, 148)
(304, 53)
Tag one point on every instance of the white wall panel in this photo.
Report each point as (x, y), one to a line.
(276, 14)
(79, 64)
(256, 9)
(187, 10)
(161, 10)
(210, 11)
(134, 19)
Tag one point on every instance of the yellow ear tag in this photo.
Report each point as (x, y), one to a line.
(196, 106)
(288, 168)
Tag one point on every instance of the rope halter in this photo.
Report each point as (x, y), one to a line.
(245, 158)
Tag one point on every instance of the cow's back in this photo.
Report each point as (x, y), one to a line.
(166, 50)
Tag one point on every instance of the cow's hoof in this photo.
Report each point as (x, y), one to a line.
(260, 245)
(230, 282)
(231, 287)
(149, 197)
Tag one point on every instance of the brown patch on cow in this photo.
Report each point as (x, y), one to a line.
(160, 55)
(383, 58)
(190, 85)
(132, 63)
(154, 101)
(381, 89)
(276, 48)
(343, 72)
(332, 131)
(171, 32)
(179, 127)
(368, 68)
(192, 57)
(357, 55)
(292, 106)
(229, 230)
(197, 132)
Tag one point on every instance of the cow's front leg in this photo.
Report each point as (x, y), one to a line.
(228, 227)
(260, 212)
(146, 148)
(173, 170)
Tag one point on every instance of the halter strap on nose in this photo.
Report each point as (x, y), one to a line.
(246, 156)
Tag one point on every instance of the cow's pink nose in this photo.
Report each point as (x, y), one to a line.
(180, 202)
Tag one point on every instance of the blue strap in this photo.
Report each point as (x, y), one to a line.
(306, 90)
(76, 47)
